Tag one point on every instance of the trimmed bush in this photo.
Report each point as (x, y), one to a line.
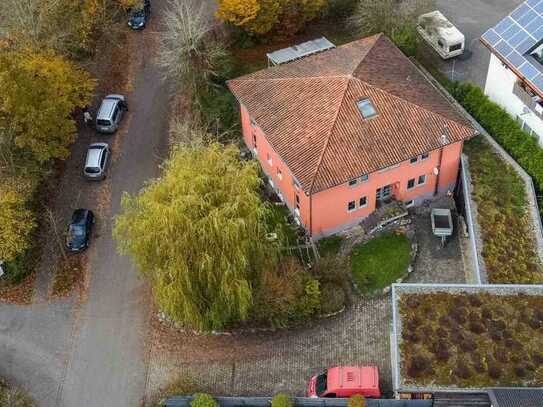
(524, 148)
(282, 400)
(356, 401)
(203, 400)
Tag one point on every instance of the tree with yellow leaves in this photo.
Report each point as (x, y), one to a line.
(258, 17)
(39, 92)
(16, 219)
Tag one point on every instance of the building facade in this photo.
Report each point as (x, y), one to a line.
(334, 149)
(515, 73)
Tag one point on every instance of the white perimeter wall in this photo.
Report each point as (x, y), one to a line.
(499, 88)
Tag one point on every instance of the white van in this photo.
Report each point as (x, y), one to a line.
(444, 37)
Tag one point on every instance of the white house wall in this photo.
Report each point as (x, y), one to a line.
(499, 88)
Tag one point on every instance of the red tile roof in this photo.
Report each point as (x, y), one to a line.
(307, 110)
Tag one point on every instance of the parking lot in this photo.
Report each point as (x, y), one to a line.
(472, 18)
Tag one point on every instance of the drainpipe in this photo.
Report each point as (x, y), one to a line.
(436, 190)
(310, 215)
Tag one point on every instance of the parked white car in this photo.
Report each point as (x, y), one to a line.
(442, 36)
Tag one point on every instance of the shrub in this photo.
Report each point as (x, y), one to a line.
(282, 400)
(332, 298)
(11, 396)
(330, 245)
(286, 294)
(356, 401)
(203, 400)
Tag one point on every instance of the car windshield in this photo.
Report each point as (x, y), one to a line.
(137, 13)
(320, 387)
(77, 231)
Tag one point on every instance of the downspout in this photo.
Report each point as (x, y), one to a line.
(444, 142)
(436, 189)
(310, 216)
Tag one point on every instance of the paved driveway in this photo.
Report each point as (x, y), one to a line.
(93, 354)
(473, 18)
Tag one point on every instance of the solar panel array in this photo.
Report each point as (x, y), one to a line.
(517, 34)
(299, 51)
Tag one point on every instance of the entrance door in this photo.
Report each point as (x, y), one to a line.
(383, 193)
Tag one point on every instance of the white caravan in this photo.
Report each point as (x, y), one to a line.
(444, 37)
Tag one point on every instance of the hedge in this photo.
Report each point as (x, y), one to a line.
(523, 147)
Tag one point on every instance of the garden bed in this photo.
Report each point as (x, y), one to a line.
(469, 336)
(503, 215)
(380, 262)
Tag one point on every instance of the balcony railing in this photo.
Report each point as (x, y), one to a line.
(530, 100)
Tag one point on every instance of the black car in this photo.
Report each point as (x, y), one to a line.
(79, 230)
(138, 16)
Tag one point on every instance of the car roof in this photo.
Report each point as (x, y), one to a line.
(106, 108)
(93, 155)
(79, 215)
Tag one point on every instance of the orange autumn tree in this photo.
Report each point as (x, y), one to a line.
(258, 17)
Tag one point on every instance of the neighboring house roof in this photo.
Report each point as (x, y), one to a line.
(516, 397)
(308, 112)
(514, 39)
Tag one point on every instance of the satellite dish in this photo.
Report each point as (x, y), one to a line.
(436, 171)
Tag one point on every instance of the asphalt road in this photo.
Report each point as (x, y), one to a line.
(472, 18)
(107, 367)
(92, 353)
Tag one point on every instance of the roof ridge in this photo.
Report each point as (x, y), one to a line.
(329, 135)
(290, 78)
(377, 36)
(413, 104)
(426, 80)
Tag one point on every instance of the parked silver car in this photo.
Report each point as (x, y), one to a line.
(97, 161)
(110, 113)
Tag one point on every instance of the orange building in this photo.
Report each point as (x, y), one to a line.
(338, 133)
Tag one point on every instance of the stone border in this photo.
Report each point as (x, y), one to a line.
(398, 289)
(474, 229)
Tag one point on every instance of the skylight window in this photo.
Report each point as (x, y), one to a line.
(366, 108)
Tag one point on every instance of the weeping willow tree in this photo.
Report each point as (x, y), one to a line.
(198, 233)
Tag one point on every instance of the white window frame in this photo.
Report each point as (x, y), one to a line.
(354, 206)
(416, 158)
(423, 158)
(353, 182)
(359, 199)
(420, 184)
(364, 178)
(410, 203)
(269, 159)
(414, 184)
(253, 123)
(296, 185)
(279, 174)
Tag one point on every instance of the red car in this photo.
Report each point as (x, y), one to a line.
(345, 381)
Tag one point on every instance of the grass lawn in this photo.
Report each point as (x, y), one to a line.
(508, 246)
(380, 262)
(329, 246)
